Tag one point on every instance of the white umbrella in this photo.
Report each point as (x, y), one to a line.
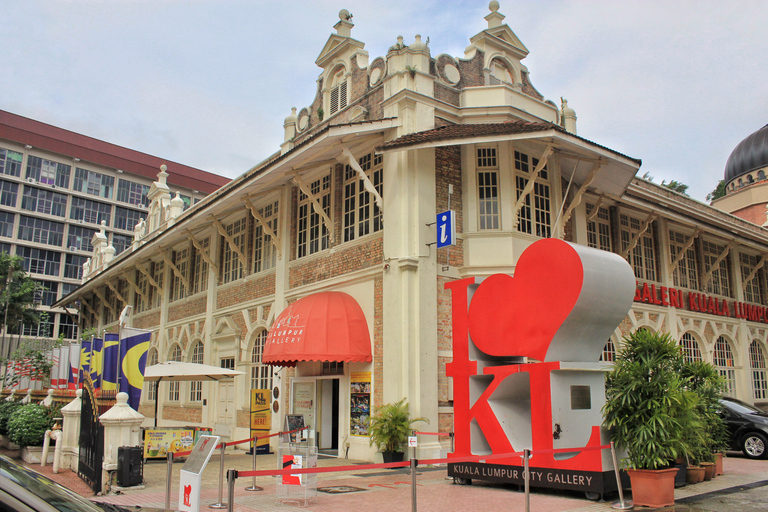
(174, 371)
(177, 371)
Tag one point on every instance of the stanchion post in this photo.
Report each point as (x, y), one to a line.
(621, 504)
(253, 486)
(220, 503)
(526, 473)
(168, 478)
(231, 477)
(414, 462)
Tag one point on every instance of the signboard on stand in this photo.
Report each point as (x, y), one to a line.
(261, 418)
(190, 477)
(158, 442)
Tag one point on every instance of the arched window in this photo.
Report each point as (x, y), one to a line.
(723, 359)
(609, 352)
(760, 175)
(151, 360)
(196, 387)
(261, 374)
(750, 179)
(757, 365)
(500, 73)
(690, 348)
(338, 96)
(173, 387)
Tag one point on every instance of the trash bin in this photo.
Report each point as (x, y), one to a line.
(130, 470)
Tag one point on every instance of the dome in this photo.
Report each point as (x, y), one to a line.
(749, 155)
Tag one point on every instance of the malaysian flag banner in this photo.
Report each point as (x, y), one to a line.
(110, 354)
(74, 366)
(134, 344)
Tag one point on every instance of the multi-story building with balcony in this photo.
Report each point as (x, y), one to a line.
(57, 187)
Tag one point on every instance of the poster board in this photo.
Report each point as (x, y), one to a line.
(261, 418)
(158, 442)
(360, 403)
(294, 422)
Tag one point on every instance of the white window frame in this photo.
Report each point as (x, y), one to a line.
(535, 216)
(642, 258)
(686, 274)
(362, 216)
(488, 188)
(312, 235)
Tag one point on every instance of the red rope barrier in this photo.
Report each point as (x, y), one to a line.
(419, 462)
(243, 441)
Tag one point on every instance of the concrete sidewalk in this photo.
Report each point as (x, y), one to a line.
(390, 490)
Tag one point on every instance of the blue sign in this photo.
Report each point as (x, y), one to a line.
(446, 229)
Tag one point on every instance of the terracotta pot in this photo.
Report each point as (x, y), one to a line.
(694, 475)
(653, 487)
(719, 464)
(709, 470)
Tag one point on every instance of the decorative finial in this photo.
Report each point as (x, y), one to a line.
(493, 6)
(345, 15)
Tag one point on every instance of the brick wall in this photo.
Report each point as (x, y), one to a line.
(244, 290)
(356, 257)
(187, 308)
(754, 214)
(448, 171)
(192, 414)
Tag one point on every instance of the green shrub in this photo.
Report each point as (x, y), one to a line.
(27, 425)
(6, 410)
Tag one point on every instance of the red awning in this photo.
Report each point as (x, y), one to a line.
(325, 326)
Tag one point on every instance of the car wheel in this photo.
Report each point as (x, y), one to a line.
(755, 446)
(463, 481)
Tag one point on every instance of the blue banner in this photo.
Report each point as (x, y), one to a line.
(110, 355)
(96, 348)
(133, 357)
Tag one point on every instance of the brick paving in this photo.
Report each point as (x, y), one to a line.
(388, 490)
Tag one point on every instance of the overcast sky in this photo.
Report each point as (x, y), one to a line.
(208, 83)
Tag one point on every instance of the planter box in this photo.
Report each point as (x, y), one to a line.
(709, 470)
(695, 474)
(653, 488)
(719, 464)
(34, 454)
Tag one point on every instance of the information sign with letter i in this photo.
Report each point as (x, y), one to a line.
(190, 477)
(446, 229)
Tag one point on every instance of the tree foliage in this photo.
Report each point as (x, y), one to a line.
(676, 186)
(718, 192)
(18, 294)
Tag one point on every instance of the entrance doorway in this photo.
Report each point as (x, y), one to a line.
(318, 400)
(328, 416)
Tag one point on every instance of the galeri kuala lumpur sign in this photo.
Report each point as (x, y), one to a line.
(525, 364)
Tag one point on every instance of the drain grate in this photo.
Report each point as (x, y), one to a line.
(340, 489)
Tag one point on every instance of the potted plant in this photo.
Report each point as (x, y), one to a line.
(646, 411)
(26, 428)
(389, 428)
(6, 411)
(708, 385)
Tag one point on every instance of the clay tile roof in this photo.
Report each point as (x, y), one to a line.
(461, 131)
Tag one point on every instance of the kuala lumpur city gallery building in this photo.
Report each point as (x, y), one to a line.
(340, 224)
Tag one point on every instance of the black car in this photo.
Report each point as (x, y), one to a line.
(748, 427)
(24, 490)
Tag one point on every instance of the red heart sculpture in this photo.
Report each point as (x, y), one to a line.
(519, 316)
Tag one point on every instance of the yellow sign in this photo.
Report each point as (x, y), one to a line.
(261, 417)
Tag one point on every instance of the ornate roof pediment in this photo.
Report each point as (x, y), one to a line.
(500, 38)
(335, 46)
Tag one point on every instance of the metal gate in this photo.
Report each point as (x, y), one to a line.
(94, 404)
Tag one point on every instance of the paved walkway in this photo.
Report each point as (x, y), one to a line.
(390, 490)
